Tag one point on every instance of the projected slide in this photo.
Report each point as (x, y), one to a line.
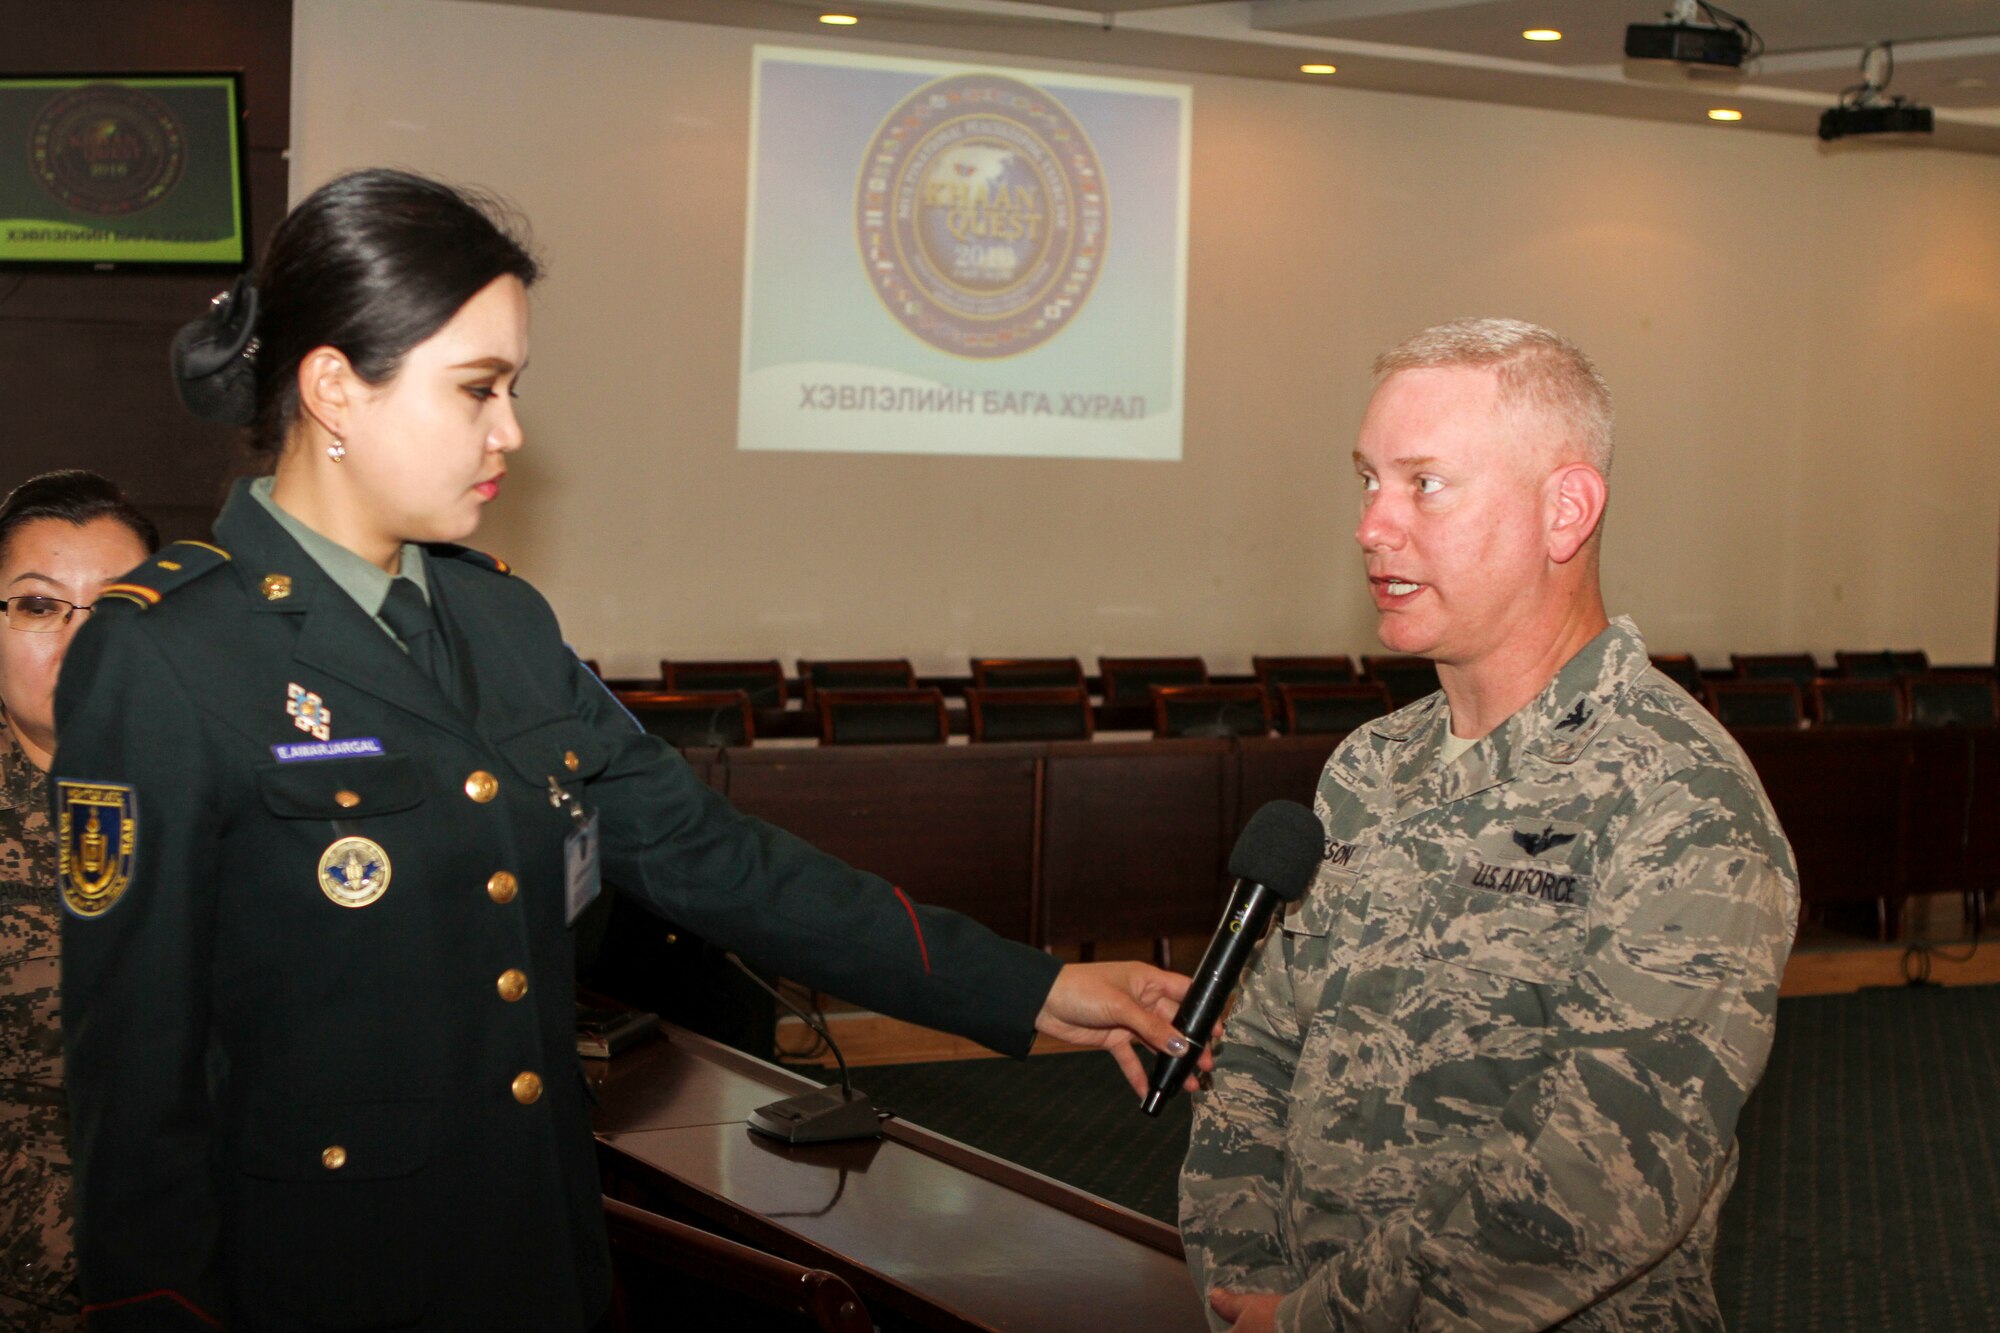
(953, 259)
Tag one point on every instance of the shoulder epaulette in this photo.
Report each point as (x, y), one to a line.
(174, 567)
(470, 557)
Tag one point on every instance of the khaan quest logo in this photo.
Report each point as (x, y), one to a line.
(982, 215)
(107, 149)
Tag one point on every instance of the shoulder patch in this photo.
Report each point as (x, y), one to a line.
(173, 567)
(97, 840)
(447, 551)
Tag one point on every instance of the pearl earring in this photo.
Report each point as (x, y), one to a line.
(336, 451)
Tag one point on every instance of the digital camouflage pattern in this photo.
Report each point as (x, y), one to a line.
(1486, 1074)
(37, 1266)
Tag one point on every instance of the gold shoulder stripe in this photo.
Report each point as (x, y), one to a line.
(502, 565)
(138, 592)
(206, 547)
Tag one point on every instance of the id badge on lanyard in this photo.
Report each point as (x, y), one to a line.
(581, 883)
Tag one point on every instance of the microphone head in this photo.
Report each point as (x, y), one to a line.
(1281, 848)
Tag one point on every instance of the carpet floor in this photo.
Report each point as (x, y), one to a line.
(1868, 1196)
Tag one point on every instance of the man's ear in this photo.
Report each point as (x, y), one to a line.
(1576, 495)
(327, 388)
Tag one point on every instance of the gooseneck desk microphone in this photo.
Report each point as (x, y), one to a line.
(1275, 858)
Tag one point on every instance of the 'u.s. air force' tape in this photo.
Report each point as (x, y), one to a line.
(97, 842)
(347, 749)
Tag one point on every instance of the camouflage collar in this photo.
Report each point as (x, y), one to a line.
(1556, 726)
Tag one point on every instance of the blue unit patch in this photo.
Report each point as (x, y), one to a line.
(97, 836)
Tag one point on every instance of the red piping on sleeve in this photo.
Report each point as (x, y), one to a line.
(923, 950)
(174, 1296)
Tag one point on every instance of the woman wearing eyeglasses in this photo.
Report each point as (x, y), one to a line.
(63, 536)
(331, 793)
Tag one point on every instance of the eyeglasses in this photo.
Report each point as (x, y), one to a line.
(40, 615)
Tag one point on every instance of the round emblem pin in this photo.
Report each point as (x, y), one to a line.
(354, 872)
(982, 215)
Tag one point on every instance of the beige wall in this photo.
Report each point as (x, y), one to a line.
(1801, 341)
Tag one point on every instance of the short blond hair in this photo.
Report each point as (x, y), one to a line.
(1537, 369)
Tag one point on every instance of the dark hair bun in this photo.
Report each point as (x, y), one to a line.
(214, 358)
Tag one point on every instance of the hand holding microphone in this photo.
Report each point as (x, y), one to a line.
(1274, 860)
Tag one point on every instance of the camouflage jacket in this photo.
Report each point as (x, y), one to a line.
(37, 1268)
(1486, 1074)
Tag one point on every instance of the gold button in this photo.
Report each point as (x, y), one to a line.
(276, 587)
(347, 800)
(513, 984)
(170, 564)
(482, 786)
(501, 886)
(570, 761)
(528, 1088)
(333, 1158)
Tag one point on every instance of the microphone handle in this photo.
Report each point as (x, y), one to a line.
(1250, 908)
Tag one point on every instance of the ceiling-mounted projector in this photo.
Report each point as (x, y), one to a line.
(1695, 33)
(1863, 109)
(1687, 43)
(1894, 116)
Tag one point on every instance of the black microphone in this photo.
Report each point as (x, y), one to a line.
(1275, 858)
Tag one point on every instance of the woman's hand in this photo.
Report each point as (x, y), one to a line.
(1109, 1004)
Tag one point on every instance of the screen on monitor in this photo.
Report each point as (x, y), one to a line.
(117, 170)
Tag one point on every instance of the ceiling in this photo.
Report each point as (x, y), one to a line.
(1947, 52)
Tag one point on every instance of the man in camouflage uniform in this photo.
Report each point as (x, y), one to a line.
(1486, 1074)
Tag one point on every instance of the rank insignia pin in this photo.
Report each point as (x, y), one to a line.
(354, 872)
(276, 587)
(308, 712)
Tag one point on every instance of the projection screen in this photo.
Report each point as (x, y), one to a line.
(960, 259)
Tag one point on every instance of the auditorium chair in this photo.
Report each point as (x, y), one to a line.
(1798, 668)
(1027, 673)
(1329, 710)
(1681, 669)
(763, 681)
(1210, 710)
(1755, 703)
(1952, 699)
(881, 717)
(1858, 702)
(693, 718)
(1408, 679)
(1882, 664)
(890, 673)
(1275, 671)
(1029, 715)
(1128, 681)
(681, 1276)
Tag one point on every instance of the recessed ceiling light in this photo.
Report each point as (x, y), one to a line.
(1318, 69)
(1542, 35)
(1724, 113)
(839, 20)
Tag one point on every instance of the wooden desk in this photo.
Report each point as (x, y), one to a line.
(931, 1234)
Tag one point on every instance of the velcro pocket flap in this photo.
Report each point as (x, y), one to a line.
(340, 788)
(1504, 934)
(339, 1140)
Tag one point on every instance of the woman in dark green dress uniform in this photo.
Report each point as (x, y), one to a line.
(328, 792)
(63, 536)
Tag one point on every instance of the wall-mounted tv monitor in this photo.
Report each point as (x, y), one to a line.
(123, 170)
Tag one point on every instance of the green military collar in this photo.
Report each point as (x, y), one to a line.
(365, 582)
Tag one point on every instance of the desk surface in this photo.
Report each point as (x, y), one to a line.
(944, 1235)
